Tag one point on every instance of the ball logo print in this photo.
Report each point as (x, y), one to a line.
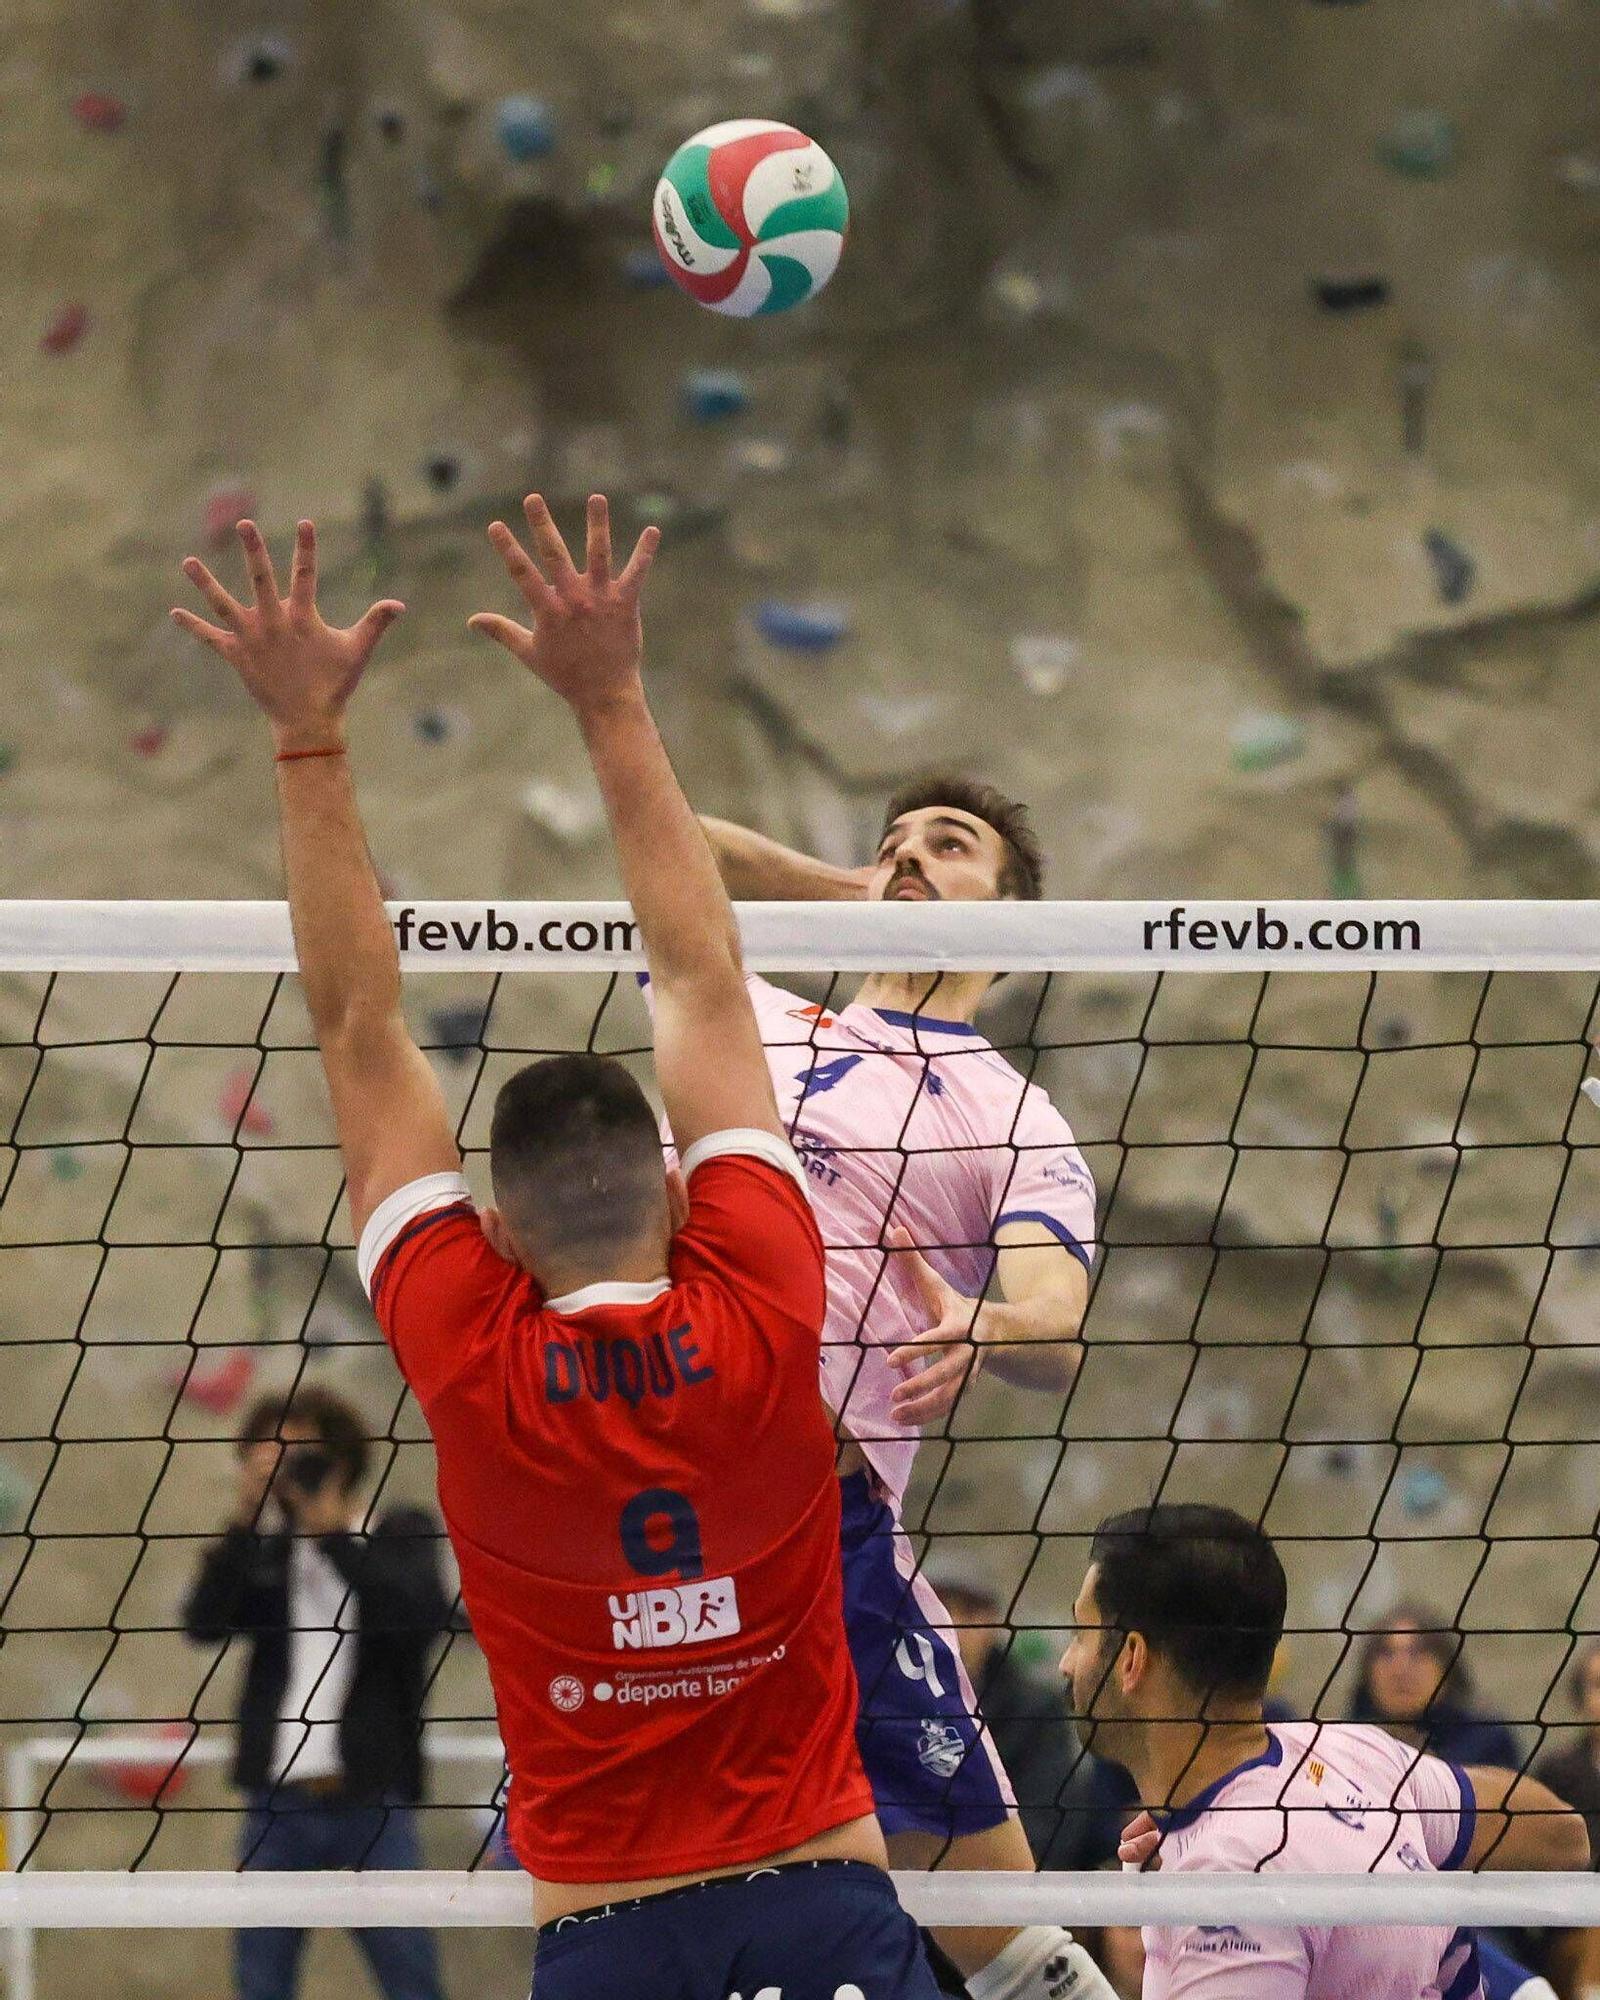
(566, 1693)
(750, 217)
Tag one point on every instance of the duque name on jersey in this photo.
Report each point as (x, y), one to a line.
(600, 1366)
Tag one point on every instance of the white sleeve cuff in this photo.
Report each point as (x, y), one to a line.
(398, 1211)
(752, 1142)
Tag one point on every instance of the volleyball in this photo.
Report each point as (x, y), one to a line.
(750, 217)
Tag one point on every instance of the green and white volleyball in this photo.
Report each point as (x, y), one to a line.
(750, 217)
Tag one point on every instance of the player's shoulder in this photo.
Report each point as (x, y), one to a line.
(1356, 1750)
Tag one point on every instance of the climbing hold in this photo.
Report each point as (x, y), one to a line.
(64, 332)
(1044, 660)
(617, 114)
(333, 187)
(600, 180)
(217, 1388)
(1423, 1491)
(430, 195)
(442, 471)
(439, 725)
(572, 817)
(526, 127)
(8, 757)
(226, 507)
(99, 111)
(1422, 144)
(1342, 832)
(240, 1111)
(1350, 294)
(263, 60)
(1261, 739)
(150, 740)
(710, 394)
(1454, 571)
(643, 269)
(16, 1493)
(457, 1031)
(65, 1164)
(801, 628)
(391, 125)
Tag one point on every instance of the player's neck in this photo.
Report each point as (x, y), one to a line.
(641, 1266)
(943, 996)
(1177, 1761)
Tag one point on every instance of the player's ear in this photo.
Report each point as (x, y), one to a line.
(1133, 1663)
(677, 1200)
(499, 1236)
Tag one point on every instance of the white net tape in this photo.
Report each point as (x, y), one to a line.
(1512, 1099)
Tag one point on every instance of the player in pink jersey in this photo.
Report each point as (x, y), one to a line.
(915, 1130)
(1178, 1619)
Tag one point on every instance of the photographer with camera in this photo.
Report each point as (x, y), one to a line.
(340, 1620)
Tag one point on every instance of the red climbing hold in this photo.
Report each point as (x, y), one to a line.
(225, 509)
(64, 332)
(239, 1107)
(149, 740)
(215, 1389)
(99, 111)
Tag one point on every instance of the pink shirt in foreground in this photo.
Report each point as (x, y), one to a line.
(1335, 1798)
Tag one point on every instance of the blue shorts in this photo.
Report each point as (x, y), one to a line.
(811, 1930)
(931, 1764)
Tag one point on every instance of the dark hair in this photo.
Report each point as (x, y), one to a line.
(337, 1423)
(1022, 876)
(1202, 1584)
(1438, 1639)
(576, 1154)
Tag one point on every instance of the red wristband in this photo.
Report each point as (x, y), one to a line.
(289, 756)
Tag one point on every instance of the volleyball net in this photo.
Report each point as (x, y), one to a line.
(1349, 1217)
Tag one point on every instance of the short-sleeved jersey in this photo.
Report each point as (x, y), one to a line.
(638, 1484)
(1326, 1797)
(906, 1122)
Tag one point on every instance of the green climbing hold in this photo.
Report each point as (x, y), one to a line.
(1260, 739)
(8, 757)
(15, 1494)
(1422, 144)
(65, 1164)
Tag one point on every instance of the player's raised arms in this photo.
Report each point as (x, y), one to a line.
(301, 672)
(709, 1060)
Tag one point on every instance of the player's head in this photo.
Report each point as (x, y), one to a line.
(1410, 1664)
(575, 1155)
(952, 839)
(317, 1435)
(1179, 1616)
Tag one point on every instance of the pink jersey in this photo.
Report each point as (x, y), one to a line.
(902, 1121)
(1335, 1798)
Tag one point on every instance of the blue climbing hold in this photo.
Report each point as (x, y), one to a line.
(710, 394)
(802, 628)
(527, 128)
(643, 269)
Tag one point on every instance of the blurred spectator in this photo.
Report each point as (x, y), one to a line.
(1412, 1681)
(1573, 1773)
(1072, 1804)
(339, 1623)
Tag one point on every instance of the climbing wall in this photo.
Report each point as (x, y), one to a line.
(1199, 439)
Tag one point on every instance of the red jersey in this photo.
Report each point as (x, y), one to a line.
(639, 1486)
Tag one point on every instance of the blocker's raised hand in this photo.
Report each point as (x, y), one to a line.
(944, 1355)
(299, 669)
(587, 638)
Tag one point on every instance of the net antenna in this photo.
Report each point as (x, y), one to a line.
(1350, 1242)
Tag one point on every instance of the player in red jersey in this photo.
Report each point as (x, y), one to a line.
(619, 1370)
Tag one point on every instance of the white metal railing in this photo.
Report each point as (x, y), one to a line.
(44, 1899)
